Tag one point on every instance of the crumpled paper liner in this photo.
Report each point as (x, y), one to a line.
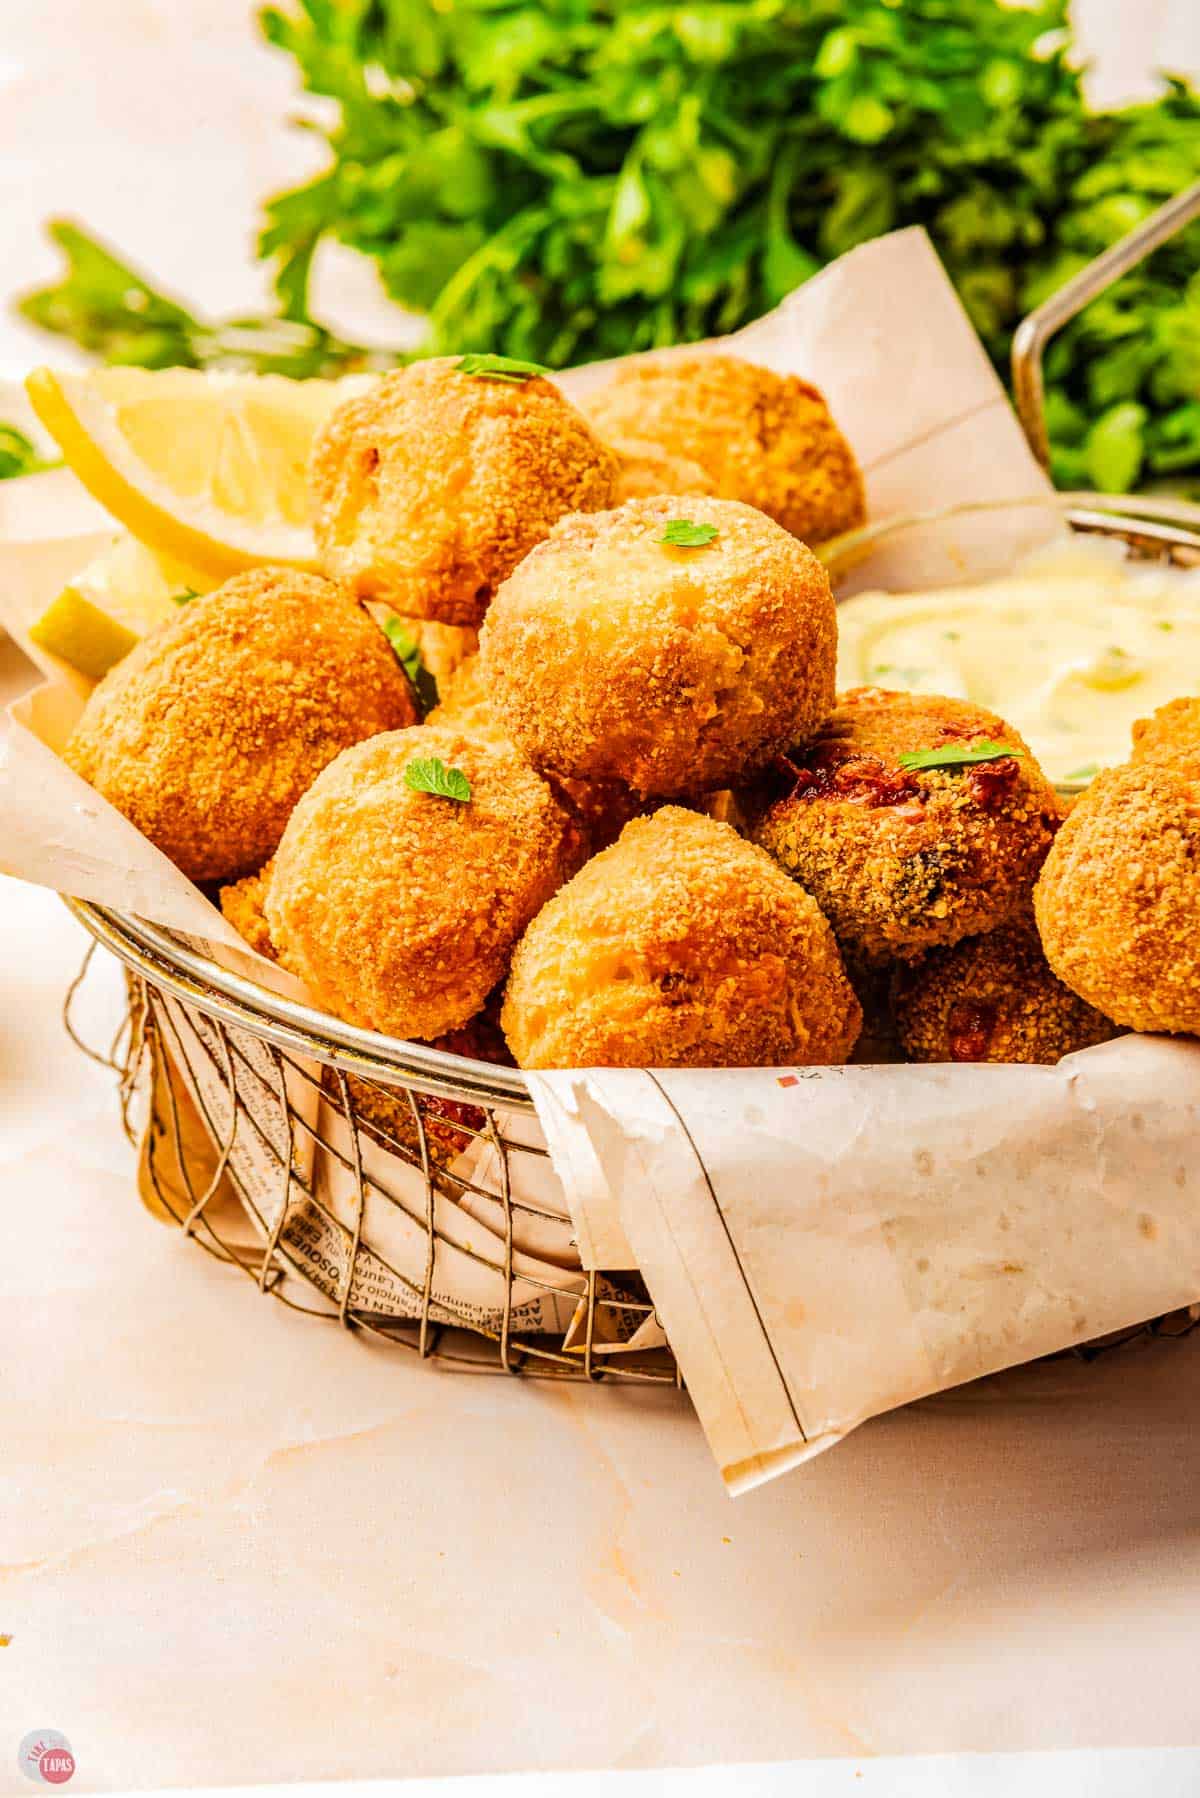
(824, 1244)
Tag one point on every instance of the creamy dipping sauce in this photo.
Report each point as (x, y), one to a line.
(1071, 649)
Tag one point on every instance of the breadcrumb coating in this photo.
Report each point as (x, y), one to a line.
(243, 906)
(399, 909)
(448, 1123)
(611, 655)
(992, 998)
(1118, 902)
(647, 469)
(1173, 731)
(681, 946)
(603, 808)
(903, 861)
(763, 438)
(429, 488)
(210, 730)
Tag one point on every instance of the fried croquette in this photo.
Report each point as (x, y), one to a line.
(681, 946)
(208, 732)
(906, 859)
(243, 904)
(992, 998)
(399, 908)
(448, 1124)
(611, 654)
(1118, 901)
(1172, 732)
(603, 808)
(760, 437)
(647, 469)
(429, 488)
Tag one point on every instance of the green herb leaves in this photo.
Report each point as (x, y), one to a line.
(408, 653)
(429, 774)
(952, 755)
(115, 313)
(500, 368)
(183, 598)
(18, 455)
(1089, 771)
(581, 179)
(683, 534)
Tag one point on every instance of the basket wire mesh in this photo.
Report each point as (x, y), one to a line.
(191, 1181)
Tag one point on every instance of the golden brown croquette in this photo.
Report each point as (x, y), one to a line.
(647, 469)
(1118, 902)
(603, 808)
(992, 998)
(243, 905)
(763, 438)
(902, 860)
(388, 1116)
(681, 946)
(399, 908)
(429, 488)
(208, 732)
(1173, 732)
(613, 655)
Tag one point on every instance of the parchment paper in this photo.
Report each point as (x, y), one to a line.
(820, 1246)
(825, 1244)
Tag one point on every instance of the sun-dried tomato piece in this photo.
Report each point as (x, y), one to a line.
(969, 1030)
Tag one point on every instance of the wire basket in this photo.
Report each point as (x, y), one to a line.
(406, 1192)
(249, 1111)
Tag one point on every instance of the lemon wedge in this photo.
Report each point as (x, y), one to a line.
(207, 468)
(90, 640)
(111, 604)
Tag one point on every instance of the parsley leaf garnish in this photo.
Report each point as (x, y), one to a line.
(429, 774)
(19, 454)
(408, 653)
(500, 368)
(952, 756)
(1089, 771)
(181, 599)
(685, 535)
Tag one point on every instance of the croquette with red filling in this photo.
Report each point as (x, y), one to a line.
(902, 859)
(992, 998)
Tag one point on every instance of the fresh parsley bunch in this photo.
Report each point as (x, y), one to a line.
(579, 178)
(570, 179)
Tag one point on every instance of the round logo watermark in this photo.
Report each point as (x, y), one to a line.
(45, 1755)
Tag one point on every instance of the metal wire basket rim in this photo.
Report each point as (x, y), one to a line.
(1162, 518)
(233, 999)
